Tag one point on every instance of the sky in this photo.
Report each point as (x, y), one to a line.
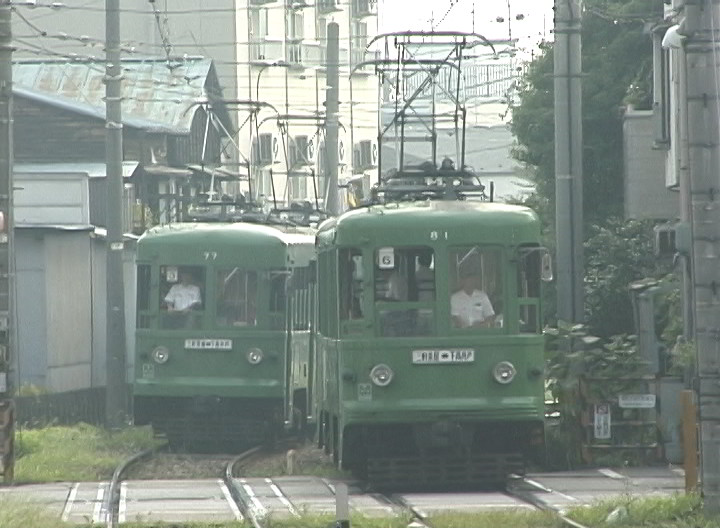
(529, 21)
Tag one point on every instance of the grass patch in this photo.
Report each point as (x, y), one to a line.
(78, 453)
(516, 519)
(15, 513)
(678, 511)
(309, 520)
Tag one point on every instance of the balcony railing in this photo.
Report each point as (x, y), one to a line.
(327, 6)
(263, 51)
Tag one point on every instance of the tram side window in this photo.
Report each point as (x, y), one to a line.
(181, 296)
(476, 280)
(351, 283)
(529, 291)
(236, 297)
(143, 296)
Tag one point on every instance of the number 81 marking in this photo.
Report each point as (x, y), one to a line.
(210, 255)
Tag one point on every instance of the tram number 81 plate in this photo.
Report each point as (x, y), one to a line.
(439, 357)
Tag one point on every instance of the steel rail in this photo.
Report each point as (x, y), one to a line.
(530, 499)
(111, 500)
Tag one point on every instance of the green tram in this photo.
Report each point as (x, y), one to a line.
(417, 383)
(222, 338)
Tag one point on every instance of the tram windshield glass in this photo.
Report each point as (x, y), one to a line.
(182, 296)
(476, 281)
(236, 297)
(405, 276)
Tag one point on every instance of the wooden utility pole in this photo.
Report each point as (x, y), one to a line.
(7, 352)
(332, 105)
(116, 412)
(568, 161)
(701, 28)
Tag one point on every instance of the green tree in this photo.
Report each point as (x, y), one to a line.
(617, 254)
(617, 67)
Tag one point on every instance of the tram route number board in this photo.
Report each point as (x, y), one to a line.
(442, 357)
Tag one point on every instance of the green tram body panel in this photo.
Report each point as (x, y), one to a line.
(348, 348)
(209, 359)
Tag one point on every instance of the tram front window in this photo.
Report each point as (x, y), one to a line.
(476, 287)
(236, 296)
(181, 296)
(405, 276)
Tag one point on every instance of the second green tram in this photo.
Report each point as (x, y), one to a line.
(222, 338)
(429, 341)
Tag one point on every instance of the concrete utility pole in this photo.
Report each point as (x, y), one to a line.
(568, 161)
(7, 275)
(332, 106)
(701, 26)
(116, 411)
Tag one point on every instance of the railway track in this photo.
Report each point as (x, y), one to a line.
(112, 511)
(520, 488)
(254, 499)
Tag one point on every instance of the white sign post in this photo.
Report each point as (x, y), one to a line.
(602, 421)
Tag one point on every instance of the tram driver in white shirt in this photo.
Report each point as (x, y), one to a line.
(470, 306)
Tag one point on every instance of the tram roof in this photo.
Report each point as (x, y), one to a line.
(470, 222)
(221, 233)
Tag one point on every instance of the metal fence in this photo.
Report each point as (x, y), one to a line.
(65, 408)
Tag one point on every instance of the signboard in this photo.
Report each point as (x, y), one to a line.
(209, 344)
(437, 357)
(636, 401)
(602, 421)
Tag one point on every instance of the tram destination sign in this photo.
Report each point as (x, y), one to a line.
(443, 356)
(208, 344)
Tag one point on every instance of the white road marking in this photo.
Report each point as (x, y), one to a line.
(122, 506)
(258, 510)
(69, 502)
(99, 516)
(280, 495)
(679, 471)
(611, 474)
(541, 487)
(228, 497)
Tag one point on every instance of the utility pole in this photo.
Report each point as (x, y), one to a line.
(332, 106)
(568, 160)
(701, 27)
(116, 398)
(7, 269)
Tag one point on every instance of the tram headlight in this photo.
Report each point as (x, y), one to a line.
(504, 372)
(254, 356)
(381, 375)
(160, 355)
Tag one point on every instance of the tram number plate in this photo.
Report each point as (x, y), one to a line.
(209, 344)
(440, 357)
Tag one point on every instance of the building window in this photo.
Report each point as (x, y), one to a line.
(359, 41)
(294, 23)
(258, 24)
